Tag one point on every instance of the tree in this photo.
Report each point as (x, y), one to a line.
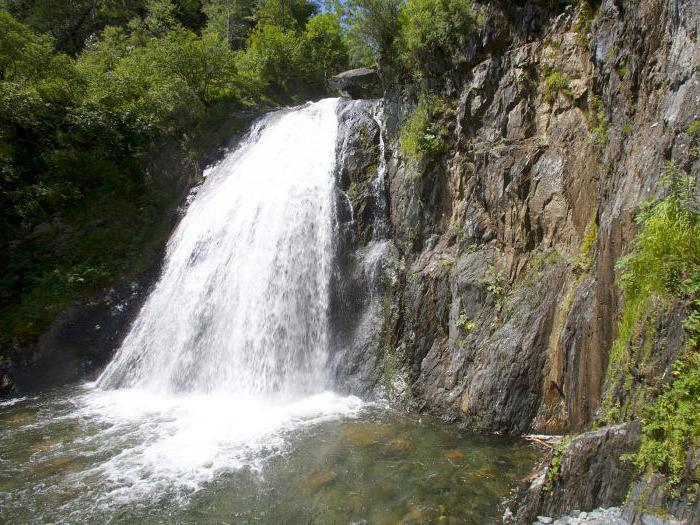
(271, 65)
(288, 14)
(230, 19)
(373, 29)
(160, 17)
(327, 51)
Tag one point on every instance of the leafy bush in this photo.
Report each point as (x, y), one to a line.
(664, 265)
(598, 120)
(434, 31)
(672, 425)
(465, 324)
(422, 134)
(555, 83)
(555, 462)
(666, 251)
(497, 285)
(693, 128)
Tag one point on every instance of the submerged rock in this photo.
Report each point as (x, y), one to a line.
(318, 480)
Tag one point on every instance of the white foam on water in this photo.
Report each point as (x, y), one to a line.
(13, 401)
(180, 442)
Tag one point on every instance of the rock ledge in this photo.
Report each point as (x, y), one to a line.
(357, 83)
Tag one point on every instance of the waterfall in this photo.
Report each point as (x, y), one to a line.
(242, 302)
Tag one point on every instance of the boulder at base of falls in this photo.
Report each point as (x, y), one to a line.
(588, 473)
(357, 83)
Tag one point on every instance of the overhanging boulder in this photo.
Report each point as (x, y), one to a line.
(357, 83)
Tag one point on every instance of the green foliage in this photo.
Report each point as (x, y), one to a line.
(622, 71)
(373, 27)
(71, 22)
(664, 265)
(79, 135)
(423, 133)
(433, 31)
(272, 62)
(287, 14)
(555, 463)
(584, 20)
(327, 53)
(598, 120)
(232, 20)
(496, 285)
(611, 53)
(666, 251)
(160, 17)
(584, 260)
(167, 82)
(672, 425)
(284, 64)
(693, 128)
(465, 324)
(536, 266)
(555, 83)
(417, 34)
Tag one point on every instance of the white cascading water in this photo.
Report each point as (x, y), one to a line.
(241, 306)
(229, 352)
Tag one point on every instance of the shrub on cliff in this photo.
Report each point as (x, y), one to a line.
(423, 134)
(434, 33)
(663, 267)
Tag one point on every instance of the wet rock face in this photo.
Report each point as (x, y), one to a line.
(366, 266)
(504, 306)
(79, 342)
(587, 475)
(649, 496)
(507, 306)
(488, 234)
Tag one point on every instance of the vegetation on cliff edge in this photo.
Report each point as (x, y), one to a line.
(662, 269)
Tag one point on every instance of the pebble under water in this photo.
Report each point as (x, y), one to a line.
(80, 455)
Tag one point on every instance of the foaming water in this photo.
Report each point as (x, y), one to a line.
(84, 455)
(178, 443)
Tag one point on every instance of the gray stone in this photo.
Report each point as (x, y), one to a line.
(357, 83)
(590, 474)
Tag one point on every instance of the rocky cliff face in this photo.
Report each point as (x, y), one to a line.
(478, 284)
(500, 306)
